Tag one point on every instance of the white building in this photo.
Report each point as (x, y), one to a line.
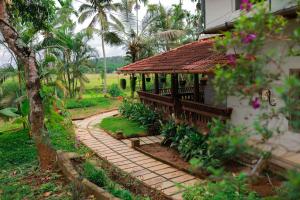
(220, 16)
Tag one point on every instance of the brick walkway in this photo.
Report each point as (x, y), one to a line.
(152, 172)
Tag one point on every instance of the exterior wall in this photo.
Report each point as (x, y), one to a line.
(244, 114)
(220, 12)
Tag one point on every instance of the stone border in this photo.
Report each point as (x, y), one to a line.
(65, 164)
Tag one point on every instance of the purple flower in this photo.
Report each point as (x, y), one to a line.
(246, 5)
(249, 38)
(231, 59)
(256, 103)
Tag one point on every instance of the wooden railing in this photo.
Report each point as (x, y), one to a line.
(186, 93)
(164, 104)
(193, 112)
(198, 113)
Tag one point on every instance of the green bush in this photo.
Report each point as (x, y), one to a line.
(96, 176)
(139, 112)
(291, 188)
(114, 90)
(223, 143)
(231, 188)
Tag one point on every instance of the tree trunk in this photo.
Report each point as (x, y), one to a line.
(27, 57)
(105, 67)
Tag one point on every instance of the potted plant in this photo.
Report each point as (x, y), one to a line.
(203, 80)
(123, 83)
(148, 79)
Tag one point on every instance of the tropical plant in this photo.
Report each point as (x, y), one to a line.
(114, 90)
(230, 188)
(99, 12)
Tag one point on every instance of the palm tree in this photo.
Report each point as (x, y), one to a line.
(99, 11)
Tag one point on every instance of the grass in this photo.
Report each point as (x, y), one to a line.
(20, 177)
(128, 127)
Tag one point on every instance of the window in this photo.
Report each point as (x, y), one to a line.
(295, 115)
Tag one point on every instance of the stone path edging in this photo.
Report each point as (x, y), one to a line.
(153, 173)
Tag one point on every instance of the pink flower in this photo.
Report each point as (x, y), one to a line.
(246, 5)
(249, 38)
(256, 103)
(231, 59)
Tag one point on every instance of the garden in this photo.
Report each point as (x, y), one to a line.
(72, 127)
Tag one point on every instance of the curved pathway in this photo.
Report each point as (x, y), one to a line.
(152, 172)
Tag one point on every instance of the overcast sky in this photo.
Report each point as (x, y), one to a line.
(5, 56)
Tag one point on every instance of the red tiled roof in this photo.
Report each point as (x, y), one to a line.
(195, 57)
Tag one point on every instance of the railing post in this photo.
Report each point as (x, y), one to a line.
(196, 88)
(143, 83)
(175, 96)
(156, 84)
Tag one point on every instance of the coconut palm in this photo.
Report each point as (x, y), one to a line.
(99, 11)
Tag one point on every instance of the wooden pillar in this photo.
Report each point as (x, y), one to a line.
(175, 96)
(174, 85)
(196, 88)
(143, 83)
(156, 84)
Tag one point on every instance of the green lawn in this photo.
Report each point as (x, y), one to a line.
(90, 106)
(128, 127)
(20, 177)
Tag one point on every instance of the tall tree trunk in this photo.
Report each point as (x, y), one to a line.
(27, 57)
(105, 67)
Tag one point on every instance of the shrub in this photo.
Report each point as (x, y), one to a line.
(96, 176)
(139, 112)
(223, 143)
(231, 188)
(89, 102)
(114, 90)
(291, 188)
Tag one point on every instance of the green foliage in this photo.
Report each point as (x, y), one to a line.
(96, 176)
(231, 188)
(290, 189)
(99, 177)
(9, 113)
(87, 102)
(114, 90)
(38, 13)
(139, 112)
(223, 143)
(126, 126)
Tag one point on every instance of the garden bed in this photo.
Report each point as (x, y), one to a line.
(265, 185)
(121, 128)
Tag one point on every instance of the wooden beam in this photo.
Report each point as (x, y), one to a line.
(174, 85)
(143, 82)
(196, 88)
(156, 84)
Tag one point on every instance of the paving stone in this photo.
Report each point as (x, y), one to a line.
(151, 164)
(133, 155)
(183, 178)
(125, 162)
(172, 190)
(159, 167)
(133, 169)
(173, 174)
(128, 166)
(141, 172)
(117, 160)
(143, 162)
(148, 176)
(141, 158)
(165, 171)
(155, 181)
(164, 185)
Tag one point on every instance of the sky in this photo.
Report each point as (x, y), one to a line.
(5, 56)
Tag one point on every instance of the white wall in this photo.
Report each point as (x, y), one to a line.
(244, 114)
(219, 12)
